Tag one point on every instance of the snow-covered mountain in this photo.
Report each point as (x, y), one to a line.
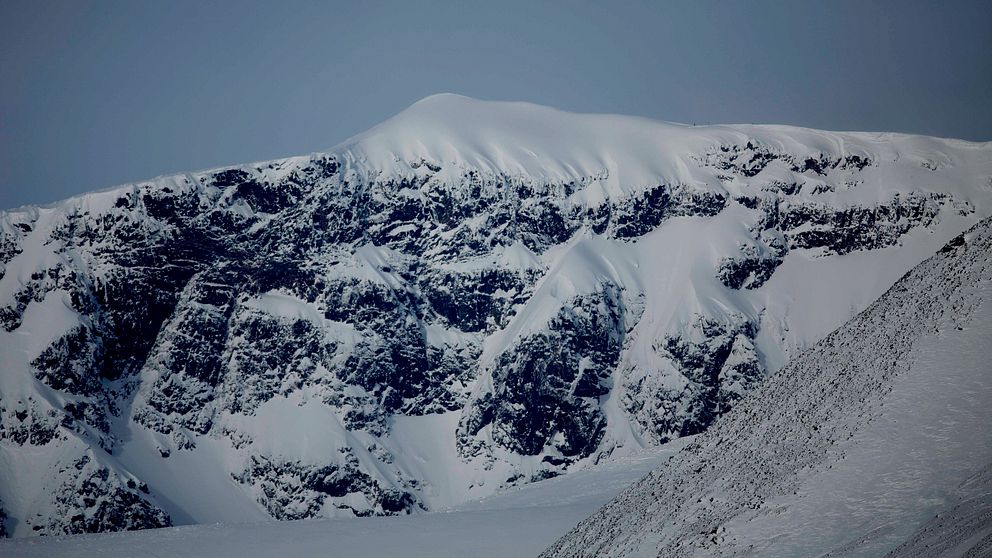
(874, 442)
(472, 295)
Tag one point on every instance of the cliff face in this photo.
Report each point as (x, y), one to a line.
(469, 296)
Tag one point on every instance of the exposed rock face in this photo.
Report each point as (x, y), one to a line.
(327, 299)
(291, 490)
(861, 403)
(94, 499)
(546, 388)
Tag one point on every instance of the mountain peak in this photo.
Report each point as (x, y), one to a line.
(545, 143)
(517, 138)
(445, 97)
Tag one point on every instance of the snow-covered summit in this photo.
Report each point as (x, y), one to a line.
(623, 152)
(518, 138)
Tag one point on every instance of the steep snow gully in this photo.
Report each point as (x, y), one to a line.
(470, 297)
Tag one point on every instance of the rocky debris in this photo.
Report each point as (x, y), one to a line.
(478, 300)
(24, 423)
(784, 225)
(94, 499)
(640, 214)
(268, 356)
(755, 265)
(858, 228)
(8, 249)
(293, 490)
(750, 159)
(69, 363)
(187, 364)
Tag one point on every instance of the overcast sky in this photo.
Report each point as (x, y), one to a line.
(94, 94)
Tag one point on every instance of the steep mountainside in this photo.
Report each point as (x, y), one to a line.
(469, 296)
(876, 440)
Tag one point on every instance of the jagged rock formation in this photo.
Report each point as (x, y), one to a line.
(343, 333)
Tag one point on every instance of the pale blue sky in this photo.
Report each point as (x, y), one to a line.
(94, 94)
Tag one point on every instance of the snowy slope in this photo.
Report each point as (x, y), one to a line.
(875, 440)
(519, 522)
(468, 297)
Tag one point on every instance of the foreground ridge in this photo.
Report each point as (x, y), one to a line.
(847, 450)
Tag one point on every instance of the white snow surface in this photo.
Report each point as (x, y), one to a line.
(623, 152)
(851, 450)
(518, 522)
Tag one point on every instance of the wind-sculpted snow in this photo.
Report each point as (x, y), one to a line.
(506, 291)
(963, 530)
(848, 449)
